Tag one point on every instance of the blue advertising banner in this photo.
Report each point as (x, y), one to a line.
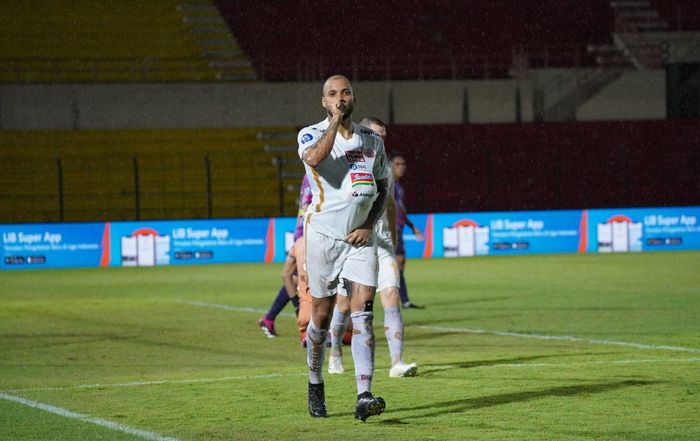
(643, 229)
(283, 237)
(149, 243)
(52, 245)
(524, 232)
(417, 247)
(152, 243)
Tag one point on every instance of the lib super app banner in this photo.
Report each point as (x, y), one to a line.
(525, 232)
(153, 243)
(53, 245)
(643, 229)
(189, 242)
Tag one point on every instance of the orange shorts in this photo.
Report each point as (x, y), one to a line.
(298, 251)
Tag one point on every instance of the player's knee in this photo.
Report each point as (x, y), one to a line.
(362, 322)
(321, 318)
(343, 304)
(390, 297)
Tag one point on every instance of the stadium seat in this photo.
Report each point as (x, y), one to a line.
(98, 175)
(126, 41)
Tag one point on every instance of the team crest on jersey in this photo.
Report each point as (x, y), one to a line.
(354, 156)
(368, 152)
(361, 179)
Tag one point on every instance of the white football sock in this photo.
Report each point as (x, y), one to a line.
(393, 330)
(338, 325)
(363, 349)
(315, 351)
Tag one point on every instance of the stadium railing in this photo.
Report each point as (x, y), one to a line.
(76, 176)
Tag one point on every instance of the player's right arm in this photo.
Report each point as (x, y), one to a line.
(317, 152)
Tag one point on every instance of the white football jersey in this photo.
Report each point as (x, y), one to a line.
(344, 184)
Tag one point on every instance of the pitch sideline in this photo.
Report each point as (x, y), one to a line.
(482, 331)
(85, 418)
(561, 338)
(304, 374)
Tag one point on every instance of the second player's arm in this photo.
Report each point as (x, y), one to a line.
(290, 266)
(362, 234)
(391, 217)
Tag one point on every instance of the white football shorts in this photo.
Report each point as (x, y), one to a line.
(329, 260)
(388, 268)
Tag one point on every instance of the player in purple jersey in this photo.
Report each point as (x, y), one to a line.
(287, 292)
(398, 166)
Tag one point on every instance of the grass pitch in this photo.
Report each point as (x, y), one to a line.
(555, 347)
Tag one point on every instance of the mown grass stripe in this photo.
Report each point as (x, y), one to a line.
(303, 374)
(485, 331)
(560, 338)
(85, 418)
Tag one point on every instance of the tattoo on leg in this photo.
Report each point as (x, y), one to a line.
(348, 285)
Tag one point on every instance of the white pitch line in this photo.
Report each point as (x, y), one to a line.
(487, 332)
(86, 418)
(157, 382)
(561, 338)
(581, 363)
(567, 365)
(230, 308)
(300, 374)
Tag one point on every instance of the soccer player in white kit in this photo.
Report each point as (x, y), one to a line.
(388, 287)
(348, 172)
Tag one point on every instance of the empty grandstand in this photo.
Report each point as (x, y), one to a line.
(125, 41)
(146, 110)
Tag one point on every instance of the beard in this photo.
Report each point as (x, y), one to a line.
(348, 112)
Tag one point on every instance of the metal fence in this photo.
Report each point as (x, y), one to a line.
(123, 187)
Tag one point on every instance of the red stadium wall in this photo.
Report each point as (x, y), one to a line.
(496, 167)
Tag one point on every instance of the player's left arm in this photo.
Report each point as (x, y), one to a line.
(416, 231)
(290, 267)
(362, 234)
(391, 217)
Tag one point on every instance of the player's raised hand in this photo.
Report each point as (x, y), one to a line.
(338, 109)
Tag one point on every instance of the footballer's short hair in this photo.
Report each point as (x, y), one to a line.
(393, 155)
(331, 78)
(367, 120)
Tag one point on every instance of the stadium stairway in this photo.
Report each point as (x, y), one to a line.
(630, 48)
(104, 175)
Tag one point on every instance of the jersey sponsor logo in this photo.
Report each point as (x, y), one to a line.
(354, 156)
(360, 194)
(306, 138)
(368, 152)
(354, 166)
(361, 179)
